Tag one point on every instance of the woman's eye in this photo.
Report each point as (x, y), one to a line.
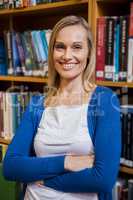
(59, 46)
(77, 47)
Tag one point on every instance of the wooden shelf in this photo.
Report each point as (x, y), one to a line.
(4, 141)
(126, 170)
(23, 79)
(113, 1)
(114, 84)
(45, 8)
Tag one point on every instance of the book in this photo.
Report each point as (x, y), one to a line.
(130, 189)
(127, 135)
(15, 56)
(109, 50)
(130, 46)
(3, 61)
(123, 57)
(100, 48)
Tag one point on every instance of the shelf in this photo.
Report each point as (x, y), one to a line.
(45, 8)
(114, 84)
(4, 141)
(126, 170)
(112, 1)
(23, 79)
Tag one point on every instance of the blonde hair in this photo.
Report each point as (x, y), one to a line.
(89, 71)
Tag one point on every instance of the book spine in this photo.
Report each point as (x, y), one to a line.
(100, 48)
(130, 60)
(7, 36)
(15, 53)
(116, 49)
(131, 20)
(124, 24)
(109, 52)
(130, 189)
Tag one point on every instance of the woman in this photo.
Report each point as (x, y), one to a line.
(68, 143)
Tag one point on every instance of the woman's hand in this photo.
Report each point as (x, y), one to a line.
(77, 163)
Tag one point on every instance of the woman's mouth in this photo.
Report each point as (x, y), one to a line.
(68, 66)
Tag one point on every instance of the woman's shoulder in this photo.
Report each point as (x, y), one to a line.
(103, 89)
(104, 92)
(37, 101)
(106, 96)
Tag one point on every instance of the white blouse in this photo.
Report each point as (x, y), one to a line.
(63, 130)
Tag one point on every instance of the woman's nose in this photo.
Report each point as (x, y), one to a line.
(67, 54)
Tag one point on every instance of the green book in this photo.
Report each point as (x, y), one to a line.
(9, 190)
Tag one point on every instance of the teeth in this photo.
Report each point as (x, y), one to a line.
(68, 66)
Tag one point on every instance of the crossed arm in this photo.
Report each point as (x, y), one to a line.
(77, 175)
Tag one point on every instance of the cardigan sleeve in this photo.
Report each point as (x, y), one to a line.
(18, 165)
(102, 176)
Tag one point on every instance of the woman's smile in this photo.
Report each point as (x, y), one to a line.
(68, 66)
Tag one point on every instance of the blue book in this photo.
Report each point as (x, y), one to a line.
(117, 49)
(15, 56)
(44, 41)
(3, 61)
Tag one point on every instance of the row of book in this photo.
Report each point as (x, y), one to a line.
(12, 106)
(114, 48)
(24, 53)
(9, 4)
(123, 189)
(127, 135)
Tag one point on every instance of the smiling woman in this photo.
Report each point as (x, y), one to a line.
(71, 60)
(74, 130)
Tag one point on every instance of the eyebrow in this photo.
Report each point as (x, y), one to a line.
(76, 42)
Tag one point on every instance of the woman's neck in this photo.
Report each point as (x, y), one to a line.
(71, 87)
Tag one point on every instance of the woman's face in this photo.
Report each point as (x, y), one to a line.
(71, 52)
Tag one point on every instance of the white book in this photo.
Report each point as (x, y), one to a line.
(130, 60)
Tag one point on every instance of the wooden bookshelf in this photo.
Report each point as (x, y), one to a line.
(23, 79)
(46, 8)
(111, 1)
(4, 141)
(126, 170)
(114, 84)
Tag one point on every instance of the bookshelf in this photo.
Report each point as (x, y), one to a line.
(112, 8)
(34, 17)
(114, 84)
(54, 7)
(42, 16)
(23, 79)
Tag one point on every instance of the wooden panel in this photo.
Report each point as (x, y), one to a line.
(126, 170)
(115, 8)
(113, 1)
(114, 84)
(23, 79)
(4, 141)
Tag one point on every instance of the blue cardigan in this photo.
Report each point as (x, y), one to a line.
(20, 163)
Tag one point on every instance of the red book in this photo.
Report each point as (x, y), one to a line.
(131, 21)
(100, 48)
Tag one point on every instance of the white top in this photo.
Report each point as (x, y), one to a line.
(62, 130)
